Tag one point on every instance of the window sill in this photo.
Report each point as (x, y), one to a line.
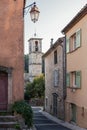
(73, 50)
(73, 89)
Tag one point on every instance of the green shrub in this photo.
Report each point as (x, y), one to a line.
(17, 126)
(23, 108)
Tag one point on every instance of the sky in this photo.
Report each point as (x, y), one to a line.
(54, 16)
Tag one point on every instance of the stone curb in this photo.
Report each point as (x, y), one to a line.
(66, 124)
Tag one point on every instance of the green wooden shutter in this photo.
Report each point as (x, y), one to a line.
(68, 79)
(78, 79)
(67, 45)
(78, 38)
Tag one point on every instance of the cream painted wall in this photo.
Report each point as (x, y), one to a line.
(77, 60)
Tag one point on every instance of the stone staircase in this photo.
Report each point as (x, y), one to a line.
(8, 122)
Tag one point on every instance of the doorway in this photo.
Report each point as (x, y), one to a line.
(3, 90)
(55, 104)
(73, 114)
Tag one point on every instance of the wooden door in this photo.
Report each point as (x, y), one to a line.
(3, 91)
(73, 107)
(55, 104)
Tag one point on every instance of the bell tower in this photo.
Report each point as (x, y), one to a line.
(35, 57)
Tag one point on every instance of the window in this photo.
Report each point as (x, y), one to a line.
(36, 45)
(56, 77)
(74, 41)
(75, 79)
(55, 57)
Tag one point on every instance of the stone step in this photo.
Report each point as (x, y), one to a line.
(8, 129)
(7, 124)
(7, 118)
(8, 121)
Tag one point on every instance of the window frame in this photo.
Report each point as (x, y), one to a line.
(75, 79)
(74, 41)
(36, 46)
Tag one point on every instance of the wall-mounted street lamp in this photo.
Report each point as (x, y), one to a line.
(34, 12)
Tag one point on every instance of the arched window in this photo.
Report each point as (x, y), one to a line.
(36, 45)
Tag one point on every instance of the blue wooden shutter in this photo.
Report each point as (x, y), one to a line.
(78, 38)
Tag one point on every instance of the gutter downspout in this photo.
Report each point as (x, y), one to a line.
(64, 73)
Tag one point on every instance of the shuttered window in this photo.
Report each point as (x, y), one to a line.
(75, 79)
(74, 41)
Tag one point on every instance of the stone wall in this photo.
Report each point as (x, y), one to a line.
(50, 89)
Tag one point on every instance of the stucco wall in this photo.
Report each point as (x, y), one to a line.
(11, 43)
(77, 60)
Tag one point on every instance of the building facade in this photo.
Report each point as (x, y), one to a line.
(35, 57)
(55, 90)
(11, 52)
(76, 49)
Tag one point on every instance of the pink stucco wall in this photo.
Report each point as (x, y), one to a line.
(11, 43)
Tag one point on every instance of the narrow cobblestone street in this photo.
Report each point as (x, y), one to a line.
(41, 122)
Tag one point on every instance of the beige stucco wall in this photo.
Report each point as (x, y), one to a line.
(11, 43)
(77, 60)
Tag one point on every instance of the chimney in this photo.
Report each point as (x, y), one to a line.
(51, 43)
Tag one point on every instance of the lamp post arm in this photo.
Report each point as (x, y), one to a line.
(30, 5)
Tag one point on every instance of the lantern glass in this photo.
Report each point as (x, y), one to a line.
(34, 13)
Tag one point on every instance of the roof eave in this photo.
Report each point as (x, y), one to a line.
(58, 42)
(76, 19)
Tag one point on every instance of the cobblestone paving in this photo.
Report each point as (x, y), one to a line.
(43, 123)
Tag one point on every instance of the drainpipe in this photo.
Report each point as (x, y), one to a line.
(64, 73)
